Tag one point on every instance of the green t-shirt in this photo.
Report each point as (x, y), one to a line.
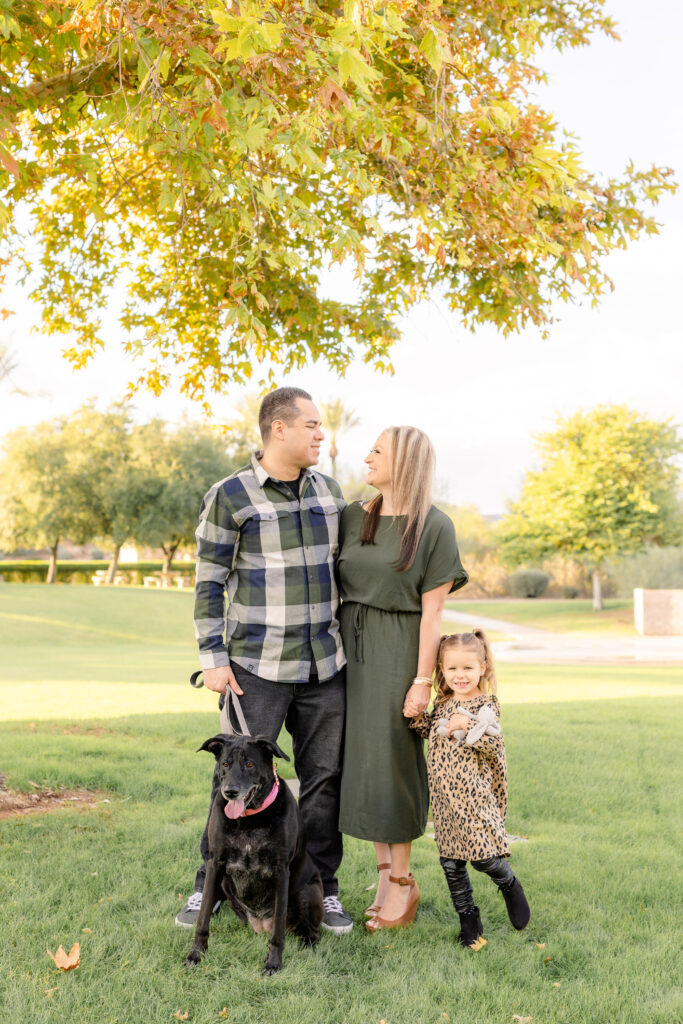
(367, 573)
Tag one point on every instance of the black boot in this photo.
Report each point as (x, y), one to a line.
(516, 903)
(471, 927)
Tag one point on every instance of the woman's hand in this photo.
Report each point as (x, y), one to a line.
(417, 699)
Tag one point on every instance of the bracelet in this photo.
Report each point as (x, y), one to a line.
(423, 681)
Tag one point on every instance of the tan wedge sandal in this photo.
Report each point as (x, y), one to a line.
(375, 909)
(377, 923)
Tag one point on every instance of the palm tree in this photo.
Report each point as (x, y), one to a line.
(7, 367)
(243, 435)
(337, 418)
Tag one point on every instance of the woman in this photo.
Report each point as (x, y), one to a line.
(398, 562)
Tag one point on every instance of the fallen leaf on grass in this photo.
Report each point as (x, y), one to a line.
(478, 944)
(547, 959)
(181, 1016)
(87, 931)
(521, 1020)
(224, 1012)
(557, 984)
(49, 991)
(67, 962)
(541, 945)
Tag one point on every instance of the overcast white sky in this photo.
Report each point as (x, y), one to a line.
(482, 397)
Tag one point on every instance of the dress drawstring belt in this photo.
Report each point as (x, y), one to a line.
(359, 615)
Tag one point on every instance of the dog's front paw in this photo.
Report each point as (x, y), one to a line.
(272, 967)
(193, 958)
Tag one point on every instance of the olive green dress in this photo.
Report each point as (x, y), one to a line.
(384, 782)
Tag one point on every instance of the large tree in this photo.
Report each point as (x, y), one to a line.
(607, 485)
(185, 460)
(242, 434)
(45, 493)
(213, 157)
(337, 418)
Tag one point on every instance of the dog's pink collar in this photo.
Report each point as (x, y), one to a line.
(267, 802)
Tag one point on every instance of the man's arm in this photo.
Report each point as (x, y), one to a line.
(217, 542)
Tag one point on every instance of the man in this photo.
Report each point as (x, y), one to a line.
(268, 535)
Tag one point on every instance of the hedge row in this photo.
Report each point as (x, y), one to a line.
(72, 571)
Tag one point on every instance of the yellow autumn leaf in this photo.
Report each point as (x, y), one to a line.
(66, 961)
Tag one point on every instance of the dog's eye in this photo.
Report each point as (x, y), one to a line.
(248, 764)
(225, 764)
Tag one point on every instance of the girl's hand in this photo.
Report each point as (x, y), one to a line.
(459, 722)
(417, 699)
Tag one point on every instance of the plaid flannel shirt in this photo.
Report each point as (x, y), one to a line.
(275, 556)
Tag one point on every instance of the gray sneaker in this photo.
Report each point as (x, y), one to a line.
(187, 917)
(335, 919)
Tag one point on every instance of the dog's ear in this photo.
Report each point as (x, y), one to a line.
(214, 745)
(271, 747)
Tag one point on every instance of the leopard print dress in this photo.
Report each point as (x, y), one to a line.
(467, 785)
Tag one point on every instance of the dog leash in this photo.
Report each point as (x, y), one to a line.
(224, 701)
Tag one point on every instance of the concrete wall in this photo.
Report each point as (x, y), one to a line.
(658, 612)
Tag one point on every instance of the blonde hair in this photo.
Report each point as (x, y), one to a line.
(476, 641)
(411, 461)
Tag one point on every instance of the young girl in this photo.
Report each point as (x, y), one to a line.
(468, 779)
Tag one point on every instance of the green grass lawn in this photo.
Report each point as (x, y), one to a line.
(560, 616)
(594, 768)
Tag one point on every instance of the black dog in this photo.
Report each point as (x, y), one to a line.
(258, 856)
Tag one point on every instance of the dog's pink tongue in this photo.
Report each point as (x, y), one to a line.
(234, 808)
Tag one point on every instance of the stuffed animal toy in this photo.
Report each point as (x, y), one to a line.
(485, 721)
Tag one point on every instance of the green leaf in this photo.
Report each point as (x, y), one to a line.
(353, 66)
(431, 48)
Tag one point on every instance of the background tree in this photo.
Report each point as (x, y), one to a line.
(213, 157)
(336, 419)
(478, 545)
(242, 433)
(8, 365)
(186, 461)
(607, 486)
(44, 495)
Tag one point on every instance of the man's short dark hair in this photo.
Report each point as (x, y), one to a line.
(279, 405)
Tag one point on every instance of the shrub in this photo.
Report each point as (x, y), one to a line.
(35, 571)
(528, 583)
(653, 569)
(570, 592)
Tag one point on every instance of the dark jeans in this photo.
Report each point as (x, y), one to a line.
(313, 714)
(459, 886)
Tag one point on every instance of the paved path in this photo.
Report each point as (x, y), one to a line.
(527, 644)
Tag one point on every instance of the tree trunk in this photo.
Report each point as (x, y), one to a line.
(333, 456)
(597, 590)
(52, 567)
(113, 565)
(168, 557)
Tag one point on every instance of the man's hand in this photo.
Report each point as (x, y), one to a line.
(417, 699)
(219, 679)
